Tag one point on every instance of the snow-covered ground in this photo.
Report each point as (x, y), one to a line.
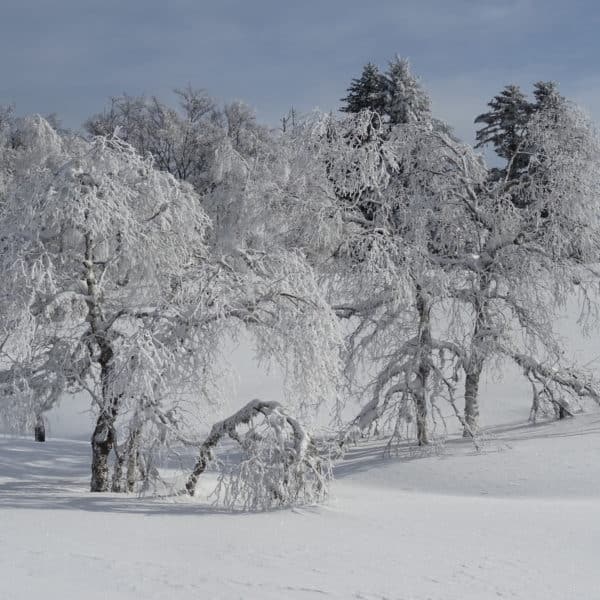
(521, 519)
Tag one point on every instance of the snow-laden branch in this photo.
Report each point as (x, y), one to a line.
(280, 464)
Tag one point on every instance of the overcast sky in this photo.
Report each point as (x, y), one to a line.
(70, 56)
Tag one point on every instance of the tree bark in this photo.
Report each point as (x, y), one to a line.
(474, 367)
(103, 438)
(472, 378)
(423, 368)
(40, 430)
(102, 444)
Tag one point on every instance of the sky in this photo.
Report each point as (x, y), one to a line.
(70, 56)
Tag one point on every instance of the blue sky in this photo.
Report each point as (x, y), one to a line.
(70, 56)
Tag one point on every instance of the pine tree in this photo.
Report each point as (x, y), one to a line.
(405, 99)
(546, 95)
(365, 92)
(505, 128)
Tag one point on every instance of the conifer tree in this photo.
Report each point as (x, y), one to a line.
(405, 99)
(504, 126)
(365, 92)
(547, 96)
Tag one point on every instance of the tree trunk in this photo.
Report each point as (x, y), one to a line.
(117, 479)
(103, 438)
(472, 378)
(476, 361)
(423, 368)
(102, 444)
(133, 459)
(39, 431)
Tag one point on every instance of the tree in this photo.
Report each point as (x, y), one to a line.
(388, 274)
(102, 245)
(408, 123)
(547, 96)
(537, 244)
(181, 143)
(281, 464)
(504, 128)
(110, 260)
(405, 100)
(366, 92)
(396, 96)
(481, 242)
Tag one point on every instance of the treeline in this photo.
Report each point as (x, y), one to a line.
(370, 242)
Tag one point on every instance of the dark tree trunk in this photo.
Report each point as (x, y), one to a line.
(103, 438)
(102, 444)
(423, 368)
(39, 431)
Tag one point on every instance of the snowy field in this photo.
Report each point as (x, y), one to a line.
(521, 519)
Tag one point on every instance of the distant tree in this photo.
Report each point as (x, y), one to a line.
(405, 100)
(504, 127)
(181, 143)
(547, 97)
(366, 92)
(289, 121)
(396, 95)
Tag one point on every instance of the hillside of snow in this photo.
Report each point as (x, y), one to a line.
(519, 519)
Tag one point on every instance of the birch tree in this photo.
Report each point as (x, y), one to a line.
(112, 262)
(537, 246)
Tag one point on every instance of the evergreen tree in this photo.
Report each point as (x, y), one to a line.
(365, 92)
(505, 128)
(405, 99)
(547, 96)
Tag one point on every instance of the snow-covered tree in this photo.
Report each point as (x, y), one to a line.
(403, 210)
(495, 257)
(129, 299)
(280, 466)
(396, 96)
(100, 247)
(537, 245)
(184, 141)
(405, 100)
(387, 277)
(504, 127)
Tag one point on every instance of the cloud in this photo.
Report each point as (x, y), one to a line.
(69, 56)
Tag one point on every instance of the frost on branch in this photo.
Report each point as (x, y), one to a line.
(101, 254)
(279, 463)
(556, 390)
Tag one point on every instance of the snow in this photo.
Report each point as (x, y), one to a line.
(521, 519)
